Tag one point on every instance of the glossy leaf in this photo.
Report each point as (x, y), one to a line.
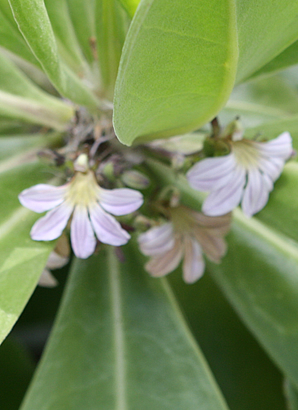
(21, 259)
(264, 31)
(143, 355)
(177, 67)
(39, 34)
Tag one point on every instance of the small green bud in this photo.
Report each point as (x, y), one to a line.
(135, 179)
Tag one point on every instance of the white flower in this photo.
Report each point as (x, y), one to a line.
(246, 175)
(188, 235)
(87, 202)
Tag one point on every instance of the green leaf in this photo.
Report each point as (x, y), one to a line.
(264, 31)
(285, 59)
(16, 369)
(111, 27)
(21, 98)
(262, 100)
(291, 395)
(34, 23)
(259, 276)
(245, 374)
(67, 43)
(282, 198)
(177, 67)
(130, 6)
(143, 356)
(21, 259)
(16, 145)
(10, 36)
(82, 13)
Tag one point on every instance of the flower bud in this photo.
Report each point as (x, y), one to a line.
(135, 179)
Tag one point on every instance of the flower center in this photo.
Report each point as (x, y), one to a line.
(246, 153)
(83, 189)
(182, 220)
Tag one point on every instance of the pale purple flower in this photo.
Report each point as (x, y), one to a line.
(90, 207)
(187, 236)
(246, 175)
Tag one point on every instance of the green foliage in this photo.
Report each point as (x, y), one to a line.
(41, 39)
(132, 329)
(158, 91)
(120, 340)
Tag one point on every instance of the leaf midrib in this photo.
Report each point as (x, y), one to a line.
(118, 332)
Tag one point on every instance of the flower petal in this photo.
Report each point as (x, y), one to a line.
(42, 197)
(225, 199)
(167, 262)
(47, 280)
(213, 245)
(107, 229)
(56, 261)
(280, 147)
(256, 193)
(52, 224)
(157, 240)
(120, 201)
(211, 173)
(219, 224)
(271, 166)
(83, 241)
(193, 265)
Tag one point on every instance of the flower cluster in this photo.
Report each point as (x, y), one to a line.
(242, 173)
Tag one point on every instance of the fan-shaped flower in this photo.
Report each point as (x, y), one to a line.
(87, 202)
(188, 235)
(246, 175)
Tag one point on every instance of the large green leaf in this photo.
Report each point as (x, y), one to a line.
(21, 259)
(10, 36)
(259, 276)
(67, 43)
(82, 13)
(285, 59)
(131, 346)
(111, 27)
(34, 23)
(265, 29)
(245, 374)
(262, 100)
(177, 67)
